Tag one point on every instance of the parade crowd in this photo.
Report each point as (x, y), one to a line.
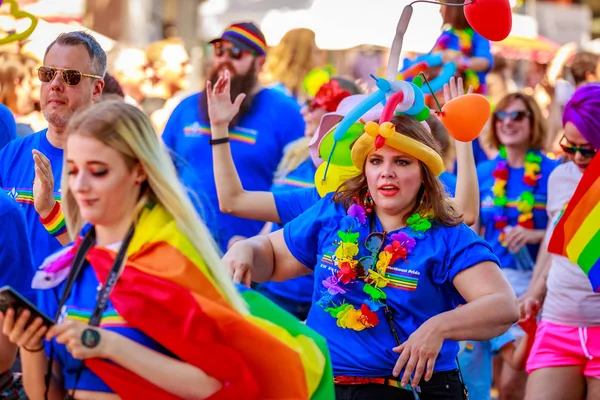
(140, 228)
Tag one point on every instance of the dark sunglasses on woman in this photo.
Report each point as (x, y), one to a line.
(71, 77)
(513, 115)
(568, 148)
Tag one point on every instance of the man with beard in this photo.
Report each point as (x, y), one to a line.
(268, 120)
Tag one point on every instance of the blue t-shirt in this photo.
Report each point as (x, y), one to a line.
(16, 179)
(475, 360)
(480, 47)
(16, 260)
(298, 289)
(418, 289)
(290, 204)
(80, 306)
(478, 154)
(257, 145)
(449, 181)
(8, 128)
(514, 188)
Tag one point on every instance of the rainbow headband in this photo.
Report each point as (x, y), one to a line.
(248, 37)
(384, 133)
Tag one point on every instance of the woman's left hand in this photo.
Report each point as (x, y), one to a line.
(69, 333)
(455, 88)
(418, 354)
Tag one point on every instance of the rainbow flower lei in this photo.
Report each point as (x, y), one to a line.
(352, 270)
(525, 201)
(465, 44)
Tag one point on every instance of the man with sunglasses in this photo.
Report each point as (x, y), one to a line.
(30, 167)
(267, 121)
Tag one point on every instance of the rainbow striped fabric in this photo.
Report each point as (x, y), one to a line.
(577, 233)
(167, 292)
(25, 196)
(236, 134)
(241, 32)
(110, 318)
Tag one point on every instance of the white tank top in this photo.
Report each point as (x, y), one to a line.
(570, 299)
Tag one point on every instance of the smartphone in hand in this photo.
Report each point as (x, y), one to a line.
(10, 298)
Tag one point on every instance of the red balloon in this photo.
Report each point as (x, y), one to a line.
(492, 19)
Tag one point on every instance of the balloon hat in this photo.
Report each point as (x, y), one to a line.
(384, 133)
(18, 14)
(464, 116)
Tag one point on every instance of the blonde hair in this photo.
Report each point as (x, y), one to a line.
(291, 60)
(126, 129)
(295, 154)
(537, 123)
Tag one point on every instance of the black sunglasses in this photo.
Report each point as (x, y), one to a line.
(71, 77)
(235, 53)
(513, 116)
(585, 152)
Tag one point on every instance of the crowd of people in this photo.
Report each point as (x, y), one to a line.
(425, 269)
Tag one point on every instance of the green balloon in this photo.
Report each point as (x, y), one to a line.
(342, 154)
(418, 81)
(423, 114)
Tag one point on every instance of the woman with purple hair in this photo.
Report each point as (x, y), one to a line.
(565, 359)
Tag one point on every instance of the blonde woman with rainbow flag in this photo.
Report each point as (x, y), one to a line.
(141, 303)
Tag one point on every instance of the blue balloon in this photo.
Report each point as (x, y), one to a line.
(354, 115)
(433, 60)
(419, 102)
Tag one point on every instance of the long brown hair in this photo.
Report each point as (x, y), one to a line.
(537, 122)
(431, 196)
(454, 16)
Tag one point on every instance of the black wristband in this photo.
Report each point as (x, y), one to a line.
(34, 350)
(218, 141)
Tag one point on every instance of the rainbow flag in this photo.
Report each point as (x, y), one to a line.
(577, 233)
(167, 292)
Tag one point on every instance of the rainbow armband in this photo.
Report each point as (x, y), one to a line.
(55, 221)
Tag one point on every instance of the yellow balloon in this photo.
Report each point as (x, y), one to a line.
(336, 175)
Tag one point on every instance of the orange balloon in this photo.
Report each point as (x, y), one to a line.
(464, 117)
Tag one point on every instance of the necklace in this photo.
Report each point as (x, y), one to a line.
(465, 45)
(526, 199)
(370, 269)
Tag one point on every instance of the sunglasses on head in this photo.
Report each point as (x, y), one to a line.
(374, 243)
(586, 152)
(513, 115)
(235, 53)
(71, 77)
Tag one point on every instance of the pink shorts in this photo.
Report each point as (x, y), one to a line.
(561, 346)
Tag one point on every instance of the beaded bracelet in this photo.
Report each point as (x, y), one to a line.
(55, 221)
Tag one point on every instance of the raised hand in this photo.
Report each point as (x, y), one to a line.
(43, 185)
(455, 88)
(221, 110)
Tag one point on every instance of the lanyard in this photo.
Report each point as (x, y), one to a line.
(102, 300)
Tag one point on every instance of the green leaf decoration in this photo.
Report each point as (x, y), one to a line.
(375, 293)
(503, 152)
(528, 197)
(500, 201)
(533, 158)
